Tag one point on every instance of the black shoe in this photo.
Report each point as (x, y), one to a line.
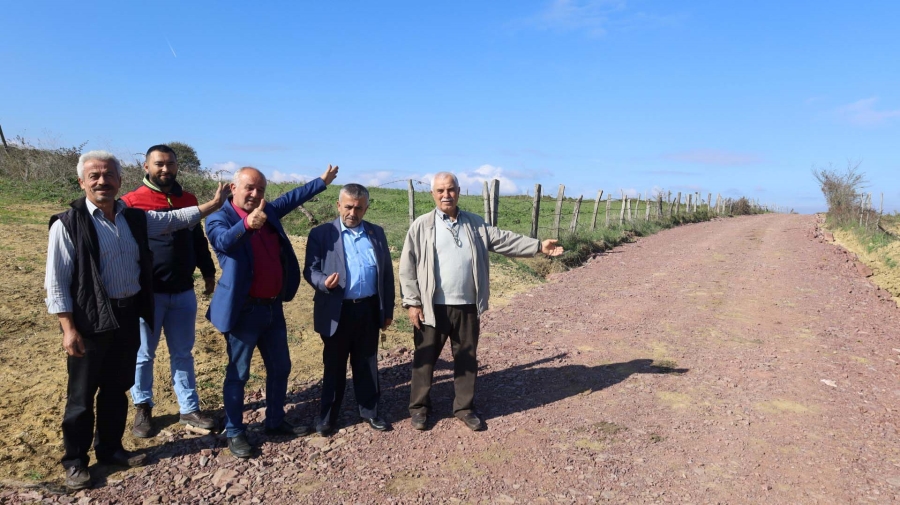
(198, 420)
(472, 421)
(124, 458)
(77, 478)
(239, 446)
(286, 428)
(143, 420)
(419, 420)
(324, 429)
(377, 423)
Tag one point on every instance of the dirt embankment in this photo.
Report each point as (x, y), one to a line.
(740, 360)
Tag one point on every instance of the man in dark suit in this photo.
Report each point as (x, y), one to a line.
(349, 265)
(259, 272)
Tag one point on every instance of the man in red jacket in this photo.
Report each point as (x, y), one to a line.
(175, 256)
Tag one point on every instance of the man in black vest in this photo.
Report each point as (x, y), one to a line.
(99, 283)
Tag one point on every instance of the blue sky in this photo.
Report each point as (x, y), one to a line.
(738, 98)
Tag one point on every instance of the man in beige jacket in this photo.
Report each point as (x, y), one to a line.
(444, 281)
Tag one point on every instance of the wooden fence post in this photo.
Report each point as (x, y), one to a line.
(596, 208)
(678, 205)
(608, 201)
(412, 202)
(574, 226)
(709, 203)
(486, 194)
(535, 211)
(688, 203)
(880, 212)
(647, 216)
(622, 210)
(868, 209)
(634, 212)
(495, 202)
(558, 211)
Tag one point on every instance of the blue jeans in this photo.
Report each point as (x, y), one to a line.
(259, 326)
(176, 314)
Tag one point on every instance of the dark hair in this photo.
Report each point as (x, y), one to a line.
(163, 149)
(355, 191)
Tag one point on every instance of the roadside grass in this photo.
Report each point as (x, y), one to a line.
(389, 208)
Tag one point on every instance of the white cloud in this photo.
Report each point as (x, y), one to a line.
(715, 157)
(594, 17)
(863, 113)
(225, 170)
(292, 177)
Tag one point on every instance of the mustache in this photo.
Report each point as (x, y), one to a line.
(103, 187)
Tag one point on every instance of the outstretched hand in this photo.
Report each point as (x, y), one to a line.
(257, 218)
(551, 247)
(223, 191)
(330, 174)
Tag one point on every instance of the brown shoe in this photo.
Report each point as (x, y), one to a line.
(77, 477)
(143, 420)
(198, 420)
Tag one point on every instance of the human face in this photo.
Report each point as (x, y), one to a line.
(101, 182)
(352, 210)
(162, 168)
(446, 195)
(249, 190)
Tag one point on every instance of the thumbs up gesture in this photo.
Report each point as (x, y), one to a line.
(257, 218)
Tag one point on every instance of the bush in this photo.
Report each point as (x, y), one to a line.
(843, 192)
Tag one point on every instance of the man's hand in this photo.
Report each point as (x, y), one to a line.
(257, 218)
(330, 174)
(551, 247)
(222, 193)
(209, 284)
(387, 322)
(416, 317)
(73, 344)
(331, 281)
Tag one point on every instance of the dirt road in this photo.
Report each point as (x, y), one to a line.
(736, 361)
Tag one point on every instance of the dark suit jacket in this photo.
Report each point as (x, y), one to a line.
(325, 256)
(231, 242)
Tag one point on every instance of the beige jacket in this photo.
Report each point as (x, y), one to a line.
(417, 259)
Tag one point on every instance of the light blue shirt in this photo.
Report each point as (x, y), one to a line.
(119, 257)
(359, 261)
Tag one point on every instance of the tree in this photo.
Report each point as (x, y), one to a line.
(187, 157)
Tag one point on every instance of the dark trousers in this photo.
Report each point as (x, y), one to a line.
(107, 371)
(356, 338)
(460, 324)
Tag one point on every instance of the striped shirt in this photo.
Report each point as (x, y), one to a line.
(119, 256)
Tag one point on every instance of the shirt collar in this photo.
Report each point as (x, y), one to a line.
(240, 212)
(446, 217)
(119, 206)
(359, 230)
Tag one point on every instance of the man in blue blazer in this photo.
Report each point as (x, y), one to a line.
(259, 272)
(349, 265)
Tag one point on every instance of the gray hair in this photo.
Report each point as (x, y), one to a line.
(97, 155)
(237, 175)
(445, 175)
(355, 191)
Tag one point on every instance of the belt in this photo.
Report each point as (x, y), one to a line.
(360, 300)
(123, 302)
(252, 300)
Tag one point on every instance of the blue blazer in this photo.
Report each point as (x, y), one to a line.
(231, 242)
(325, 256)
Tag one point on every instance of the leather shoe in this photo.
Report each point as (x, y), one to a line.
(324, 429)
(377, 423)
(472, 421)
(77, 477)
(198, 420)
(239, 446)
(125, 458)
(143, 420)
(286, 428)
(419, 420)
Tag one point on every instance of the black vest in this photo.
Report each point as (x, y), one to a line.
(91, 309)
